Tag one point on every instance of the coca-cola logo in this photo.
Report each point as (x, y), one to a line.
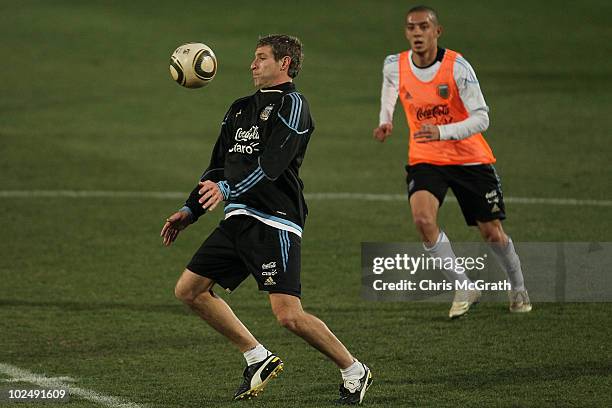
(432, 112)
(246, 135)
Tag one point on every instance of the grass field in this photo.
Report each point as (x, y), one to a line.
(86, 288)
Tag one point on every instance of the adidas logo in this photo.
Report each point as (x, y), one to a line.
(495, 208)
(269, 281)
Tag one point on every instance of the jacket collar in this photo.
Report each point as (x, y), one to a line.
(284, 87)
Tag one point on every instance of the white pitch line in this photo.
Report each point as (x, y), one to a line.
(404, 197)
(17, 374)
(90, 194)
(163, 195)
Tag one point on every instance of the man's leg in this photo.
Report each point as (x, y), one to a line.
(196, 292)
(503, 248)
(290, 314)
(424, 206)
(356, 375)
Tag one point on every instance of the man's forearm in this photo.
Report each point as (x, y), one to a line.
(477, 122)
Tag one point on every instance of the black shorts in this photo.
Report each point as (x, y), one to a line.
(241, 246)
(477, 188)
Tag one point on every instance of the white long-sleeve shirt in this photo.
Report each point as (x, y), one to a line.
(469, 91)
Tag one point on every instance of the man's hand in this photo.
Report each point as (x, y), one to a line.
(174, 224)
(427, 133)
(211, 195)
(382, 132)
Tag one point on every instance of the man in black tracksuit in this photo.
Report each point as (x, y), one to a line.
(254, 169)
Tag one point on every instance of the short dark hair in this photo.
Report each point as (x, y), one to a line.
(285, 46)
(427, 9)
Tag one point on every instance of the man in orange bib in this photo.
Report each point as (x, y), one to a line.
(447, 113)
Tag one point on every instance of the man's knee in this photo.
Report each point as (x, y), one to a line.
(424, 221)
(493, 232)
(187, 291)
(287, 310)
(289, 319)
(426, 226)
(424, 206)
(183, 293)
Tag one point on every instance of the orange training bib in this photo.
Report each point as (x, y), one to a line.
(438, 102)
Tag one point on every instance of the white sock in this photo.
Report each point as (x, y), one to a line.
(510, 263)
(442, 249)
(353, 372)
(256, 354)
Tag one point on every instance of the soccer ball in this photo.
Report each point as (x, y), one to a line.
(193, 65)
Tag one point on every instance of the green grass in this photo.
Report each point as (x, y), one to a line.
(86, 289)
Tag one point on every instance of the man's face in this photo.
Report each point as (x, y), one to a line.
(422, 31)
(265, 70)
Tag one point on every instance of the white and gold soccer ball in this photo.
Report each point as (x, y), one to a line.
(193, 65)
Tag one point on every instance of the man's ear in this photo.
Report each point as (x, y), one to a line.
(285, 62)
